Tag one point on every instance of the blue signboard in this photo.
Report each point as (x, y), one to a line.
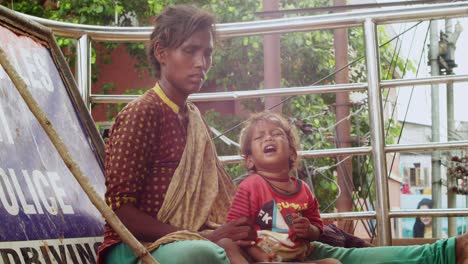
(45, 215)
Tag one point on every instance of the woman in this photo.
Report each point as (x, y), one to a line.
(163, 178)
(423, 225)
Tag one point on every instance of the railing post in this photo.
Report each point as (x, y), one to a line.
(379, 161)
(83, 69)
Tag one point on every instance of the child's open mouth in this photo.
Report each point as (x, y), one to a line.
(269, 149)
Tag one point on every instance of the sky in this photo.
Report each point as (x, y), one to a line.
(419, 110)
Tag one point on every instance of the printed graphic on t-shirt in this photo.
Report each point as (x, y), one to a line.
(270, 218)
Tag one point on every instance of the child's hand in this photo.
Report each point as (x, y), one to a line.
(302, 226)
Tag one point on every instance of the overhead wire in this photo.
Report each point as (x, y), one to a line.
(411, 93)
(404, 73)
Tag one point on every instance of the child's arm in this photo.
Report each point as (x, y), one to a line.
(314, 226)
(304, 229)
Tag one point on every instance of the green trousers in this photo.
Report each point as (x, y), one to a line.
(181, 252)
(440, 252)
(205, 252)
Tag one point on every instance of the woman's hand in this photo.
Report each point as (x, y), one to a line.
(239, 230)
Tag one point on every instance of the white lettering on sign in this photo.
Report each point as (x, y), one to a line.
(59, 193)
(32, 66)
(70, 250)
(42, 192)
(27, 208)
(40, 182)
(4, 128)
(7, 196)
(32, 192)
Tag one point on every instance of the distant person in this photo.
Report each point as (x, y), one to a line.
(423, 225)
(405, 187)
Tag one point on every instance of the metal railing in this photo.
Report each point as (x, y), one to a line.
(86, 34)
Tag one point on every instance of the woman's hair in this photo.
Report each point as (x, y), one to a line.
(174, 26)
(418, 228)
(245, 138)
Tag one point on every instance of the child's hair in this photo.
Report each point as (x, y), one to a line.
(174, 26)
(245, 138)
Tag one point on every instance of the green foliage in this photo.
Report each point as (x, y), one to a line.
(30, 7)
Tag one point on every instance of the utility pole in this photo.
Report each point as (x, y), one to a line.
(272, 59)
(448, 41)
(344, 169)
(435, 164)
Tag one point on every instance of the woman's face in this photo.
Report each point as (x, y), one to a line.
(184, 69)
(425, 220)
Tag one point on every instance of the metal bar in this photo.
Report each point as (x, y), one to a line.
(452, 212)
(83, 69)
(97, 33)
(427, 147)
(311, 154)
(377, 132)
(335, 152)
(349, 215)
(282, 25)
(314, 154)
(424, 81)
(350, 19)
(446, 212)
(287, 91)
(338, 8)
(239, 95)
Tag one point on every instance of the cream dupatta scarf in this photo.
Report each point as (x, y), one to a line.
(200, 193)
